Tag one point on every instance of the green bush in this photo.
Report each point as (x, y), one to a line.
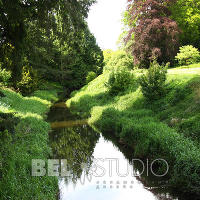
(119, 59)
(90, 77)
(119, 81)
(153, 83)
(29, 82)
(188, 55)
(4, 76)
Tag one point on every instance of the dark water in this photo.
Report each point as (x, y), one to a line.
(99, 166)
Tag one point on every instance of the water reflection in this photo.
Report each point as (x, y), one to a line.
(76, 145)
(157, 185)
(82, 148)
(65, 124)
(81, 145)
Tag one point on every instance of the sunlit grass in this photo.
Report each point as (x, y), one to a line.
(197, 65)
(29, 141)
(167, 128)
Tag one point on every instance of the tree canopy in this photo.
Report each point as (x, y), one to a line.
(187, 15)
(51, 36)
(155, 35)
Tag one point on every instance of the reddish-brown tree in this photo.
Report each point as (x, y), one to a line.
(155, 34)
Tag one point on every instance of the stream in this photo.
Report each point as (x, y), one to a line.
(98, 166)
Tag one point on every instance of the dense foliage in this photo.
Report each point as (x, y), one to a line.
(107, 54)
(46, 48)
(119, 80)
(50, 36)
(45, 45)
(186, 13)
(188, 55)
(29, 82)
(155, 34)
(4, 76)
(91, 76)
(153, 84)
(117, 59)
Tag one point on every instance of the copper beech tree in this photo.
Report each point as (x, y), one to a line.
(155, 35)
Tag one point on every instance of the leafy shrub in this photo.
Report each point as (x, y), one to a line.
(90, 77)
(119, 81)
(4, 76)
(29, 82)
(153, 83)
(119, 59)
(188, 55)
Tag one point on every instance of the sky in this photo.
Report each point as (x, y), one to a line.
(104, 22)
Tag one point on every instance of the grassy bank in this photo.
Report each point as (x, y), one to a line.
(23, 137)
(168, 128)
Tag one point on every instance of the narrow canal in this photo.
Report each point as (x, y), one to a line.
(99, 166)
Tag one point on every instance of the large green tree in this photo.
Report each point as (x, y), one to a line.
(62, 52)
(21, 19)
(187, 15)
(14, 16)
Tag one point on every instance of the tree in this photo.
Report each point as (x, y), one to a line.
(13, 17)
(63, 51)
(188, 55)
(17, 15)
(187, 15)
(155, 34)
(122, 42)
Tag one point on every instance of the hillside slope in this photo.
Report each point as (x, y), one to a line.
(168, 128)
(23, 137)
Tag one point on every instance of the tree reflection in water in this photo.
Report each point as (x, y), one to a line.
(76, 145)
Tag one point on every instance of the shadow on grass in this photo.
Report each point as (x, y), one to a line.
(87, 102)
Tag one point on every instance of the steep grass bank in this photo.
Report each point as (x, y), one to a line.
(23, 137)
(167, 128)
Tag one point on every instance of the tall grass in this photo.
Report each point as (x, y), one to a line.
(28, 141)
